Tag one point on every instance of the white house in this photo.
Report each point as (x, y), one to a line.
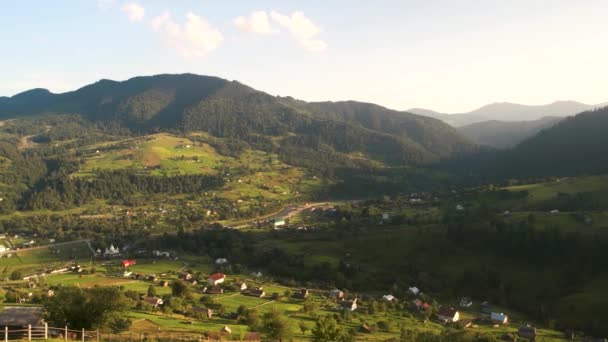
(389, 298)
(385, 216)
(2, 249)
(216, 278)
(499, 318)
(448, 314)
(278, 223)
(414, 290)
(554, 212)
(221, 261)
(349, 305)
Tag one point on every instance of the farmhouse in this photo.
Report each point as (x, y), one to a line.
(448, 314)
(161, 254)
(221, 261)
(154, 301)
(336, 294)
(527, 332)
(414, 291)
(19, 317)
(185, 276)
(205, 311)
(216, 278)
(213, 290)
(499, 318)
(241, 286)
(349, 305)
(278, 223)
(256, 292)
(389, 298)
(302, 294)
(419, 305)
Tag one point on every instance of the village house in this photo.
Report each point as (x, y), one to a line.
(216, 278)
(154, 301)
(278, 223)
(419, 305)
(163, 283)
(213, 290)
(256, 292)
(20, 318)
(414, 291)
(349, 305)
(499, 318)
(161, 254)
(389, 298)
(336, 294)
(448, 314)
(302, 294)
(221, 261)
(528, 332)
(226, 330)
(240, 286)
(3, 249)
(204, 311)
(184, 276)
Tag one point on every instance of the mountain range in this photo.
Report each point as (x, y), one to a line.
(506, 111)
(229, 109)
(506, 134)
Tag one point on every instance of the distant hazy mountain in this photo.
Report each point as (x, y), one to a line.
(233, 110)
(575, 145)
(505, 111)
(503, 134)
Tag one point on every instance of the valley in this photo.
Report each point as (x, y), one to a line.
(141, 191)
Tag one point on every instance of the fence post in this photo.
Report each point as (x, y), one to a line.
(82, 334)
(46, 331)
(65, 335)
(29, 332)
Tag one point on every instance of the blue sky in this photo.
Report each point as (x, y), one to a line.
(445, 55)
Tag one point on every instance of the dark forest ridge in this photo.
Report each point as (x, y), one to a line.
(229, 109)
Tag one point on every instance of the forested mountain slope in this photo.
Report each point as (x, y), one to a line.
(504, 134)
(230, 109)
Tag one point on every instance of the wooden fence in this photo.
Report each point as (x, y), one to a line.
(64, 334)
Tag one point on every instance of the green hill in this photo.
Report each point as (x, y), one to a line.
(232, 110)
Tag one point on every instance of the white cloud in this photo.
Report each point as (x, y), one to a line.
(194, 38)
(256, 22)
(134, 10)
(302, 29)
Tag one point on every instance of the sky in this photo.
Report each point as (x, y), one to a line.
(447, 55)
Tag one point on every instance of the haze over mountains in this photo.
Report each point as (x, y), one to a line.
(504, 125)
(506, 111)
